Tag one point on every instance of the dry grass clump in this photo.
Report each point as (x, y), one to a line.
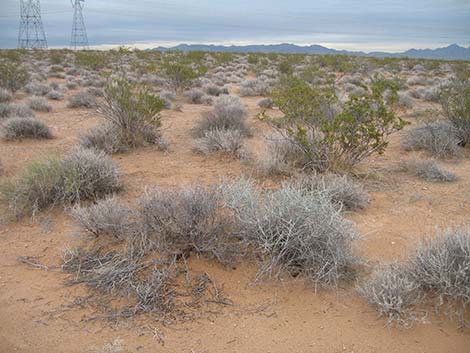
(439, 138)
(197, 96)
(55, 95)
(442, 266)
(81, 100)
(39, 104)
(14, 110)
(229, 113)
(428, 170)
(108, 217)
(296, 231)
(343, 191)
(80, 175)
(21, 128)
(230, 141)
(393, 291)
(5, 95)
(190, 219)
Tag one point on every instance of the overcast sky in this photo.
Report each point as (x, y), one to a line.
(391, 25)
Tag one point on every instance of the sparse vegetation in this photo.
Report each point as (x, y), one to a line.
(21, 128)
(428, 170)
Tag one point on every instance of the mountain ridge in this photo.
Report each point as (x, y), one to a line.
(451, 52)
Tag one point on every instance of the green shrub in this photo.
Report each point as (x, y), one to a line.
(90, 60)
(181, 75)
(455, 100)
(13, 76)
(331, 134)
(132, 118)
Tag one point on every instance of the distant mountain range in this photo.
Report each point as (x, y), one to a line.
(452, 52)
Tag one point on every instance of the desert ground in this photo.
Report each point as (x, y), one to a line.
(40, 313)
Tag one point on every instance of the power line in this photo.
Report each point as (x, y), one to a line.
(31, 33)
(79, 39)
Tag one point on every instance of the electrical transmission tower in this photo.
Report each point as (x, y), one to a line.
(31, 34)
(79, 38)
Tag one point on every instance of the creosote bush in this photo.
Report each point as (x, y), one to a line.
(455, 101)
(332, 135)
(394, 292)
(21, 128)
(132, 119)
(80, 175)
(13, 76)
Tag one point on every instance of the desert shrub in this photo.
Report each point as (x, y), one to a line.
(5, 96)
(181, 75)
(90, 60)
(296, 231)
(266, 103)
(80, 175)
(405, 100)
(442, 266)
(342, 190)
(9, 110)
(81, 100)
(39, 104)
(108, 217)
(13, 76)
(55, 95)
(229, 113)
(455, 101)
(197, 96)
(230, 141)
(428, 170)
(255, 87)
(132, 119)
(167, 97)
(189, 220)
(334, 135)
(37, 89)
(393, 290)
(439, 138)
(71, 84)
(20, 128)
(214, 90)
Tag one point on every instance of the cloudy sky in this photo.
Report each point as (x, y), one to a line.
(391, 25)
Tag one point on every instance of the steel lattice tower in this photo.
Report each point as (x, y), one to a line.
(79, 38)
(31, 34)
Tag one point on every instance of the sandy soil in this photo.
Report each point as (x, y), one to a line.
(36, 314)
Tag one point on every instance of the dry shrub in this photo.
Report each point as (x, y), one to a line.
(80, 175)
(21, 128)
(296, 231)
(442, 266)
(343, 191)
(108, 217)
(81, 100)
(39, 104)
(229, 113)
(230, 141)
(188, 220)
(438, 138)
(394, 292)
(5, 96)
(14, 110)
(428, 170)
